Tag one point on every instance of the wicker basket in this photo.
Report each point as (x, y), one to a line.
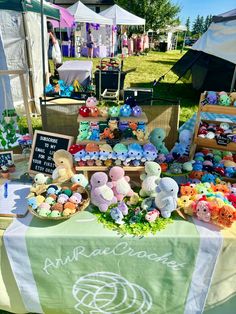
(81, 207)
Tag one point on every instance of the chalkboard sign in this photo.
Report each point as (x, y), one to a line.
(223, 139)
(44, 145)
(5, 157)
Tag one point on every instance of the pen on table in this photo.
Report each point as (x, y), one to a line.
(5, 189)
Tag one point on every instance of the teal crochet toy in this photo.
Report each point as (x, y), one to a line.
(156, 137)
(84, 131)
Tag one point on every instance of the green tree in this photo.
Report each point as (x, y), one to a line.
(187, 24)
(158, 13)
(198, 26)
(207, 22)
(201, 25)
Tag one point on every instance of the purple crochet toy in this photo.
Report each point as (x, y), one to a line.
(102, 195)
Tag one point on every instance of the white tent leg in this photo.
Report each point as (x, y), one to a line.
(42, 44)
(25, 98)
(233, 80)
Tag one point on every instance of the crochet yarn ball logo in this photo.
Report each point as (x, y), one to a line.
(106, 292)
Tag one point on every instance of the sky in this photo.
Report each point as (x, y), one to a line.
(192, 8)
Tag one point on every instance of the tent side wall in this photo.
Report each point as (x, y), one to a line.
(14, 45)
(33, 24)
(206, 72)
(13, 39)
(5, 85)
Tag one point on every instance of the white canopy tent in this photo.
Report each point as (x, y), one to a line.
(211, 62)
(83, 14)
(120, 16)
(219, 40)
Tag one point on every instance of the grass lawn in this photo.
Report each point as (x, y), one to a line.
(150, 67)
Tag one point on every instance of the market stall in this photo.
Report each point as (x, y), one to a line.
(121, 17)
(64, 25)
(189, 257)
(101, 28)
(83, 209)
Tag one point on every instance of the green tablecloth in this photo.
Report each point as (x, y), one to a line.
(78, 266)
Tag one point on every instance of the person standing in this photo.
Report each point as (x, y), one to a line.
(90, 43)
(54, 51)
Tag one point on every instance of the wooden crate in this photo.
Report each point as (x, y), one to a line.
(166, 117)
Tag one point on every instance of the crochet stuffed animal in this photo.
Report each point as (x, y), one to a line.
(84, 131)
(156, 137)
(149, 152)
(64, 166)
(166, 198)
(102, 195)
(120, 183)
(203, 210)
(80, 179)
(227, 215)
(150, 179)
(183, 147)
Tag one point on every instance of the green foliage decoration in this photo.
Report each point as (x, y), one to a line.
(7, 132)
(140, 228)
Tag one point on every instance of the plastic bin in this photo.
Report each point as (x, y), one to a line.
(163, 46)
(109, 81)
(140, 94)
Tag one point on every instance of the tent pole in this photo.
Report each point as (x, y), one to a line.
(29, 62)
(182, 49)
(43, 51)
(176, 45)
(60, 35)
(233, 80)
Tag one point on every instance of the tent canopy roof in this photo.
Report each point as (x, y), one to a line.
(219, 40)
(227, 16)
(121, 16)
(82, 13)
(30, 5)
(66, 19)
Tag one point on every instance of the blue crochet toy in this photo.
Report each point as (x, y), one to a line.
(166, 198)
(125, 111)
(183, 147)
(149, 152)
(135, 152)
(95, 135)
(64, 89)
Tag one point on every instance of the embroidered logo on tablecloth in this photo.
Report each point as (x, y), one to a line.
(106, 292)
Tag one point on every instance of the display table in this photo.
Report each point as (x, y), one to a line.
(98, 52)
(76, 70)
(78, 266)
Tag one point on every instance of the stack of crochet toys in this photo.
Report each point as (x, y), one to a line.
(213, 203)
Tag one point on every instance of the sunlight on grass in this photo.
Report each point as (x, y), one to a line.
(152, 66)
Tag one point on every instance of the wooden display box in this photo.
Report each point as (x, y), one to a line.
(210, 143)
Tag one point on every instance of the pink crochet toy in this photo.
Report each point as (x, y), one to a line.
(120, 185)
(102, 195)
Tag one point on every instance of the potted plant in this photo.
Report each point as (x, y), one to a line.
(5, 172)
